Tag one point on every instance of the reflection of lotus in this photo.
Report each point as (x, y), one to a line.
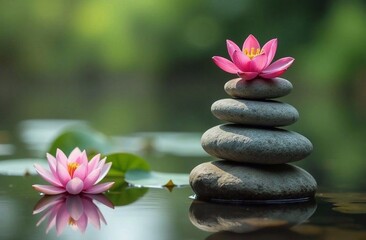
(213, 217)
(74, 210)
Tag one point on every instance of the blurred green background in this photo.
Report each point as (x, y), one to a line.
(134, 66)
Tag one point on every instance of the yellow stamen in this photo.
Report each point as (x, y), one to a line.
(252, 53)
(71, 167)
(72, 222)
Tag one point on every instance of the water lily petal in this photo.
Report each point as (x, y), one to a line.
(75, 207)
(52, 162)
(49, 190)
(61, 157)
(248, 75)
(81, 171)
(104, 171)
(277, 68)
(225, 64)
(74, 186)
(91, 178)
(258, 63)
(231, 47)
(101, 163)
(47, 175)
(83, 158)
(93, 163)
(63, 174)
(270, 49)
(241, 60)
(251, 42)
(99, 188)
(74, 155)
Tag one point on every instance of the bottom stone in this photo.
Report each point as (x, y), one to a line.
(232, 181)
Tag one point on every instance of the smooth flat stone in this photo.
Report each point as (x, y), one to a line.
(255, 145)
(231, 181)
(255, 113)
(258, 88)
(243, 218)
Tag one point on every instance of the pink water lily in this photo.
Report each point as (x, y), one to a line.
(77, 211)
(73, 174)
(253, 61)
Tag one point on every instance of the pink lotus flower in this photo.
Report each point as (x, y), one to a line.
(252, 61)
(73, 174)
(73, 210)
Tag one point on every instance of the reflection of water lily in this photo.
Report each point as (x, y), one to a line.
(73, 210)
(252, 61)
(74, 174)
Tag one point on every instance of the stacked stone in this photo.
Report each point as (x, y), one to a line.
(254, 151)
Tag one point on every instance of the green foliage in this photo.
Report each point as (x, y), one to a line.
(123, 162)
(84, 138)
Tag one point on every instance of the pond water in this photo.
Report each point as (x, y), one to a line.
(337, 212)
(161, 214)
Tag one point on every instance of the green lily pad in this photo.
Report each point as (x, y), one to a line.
(123, 162)
(85, 138)
(153, 179)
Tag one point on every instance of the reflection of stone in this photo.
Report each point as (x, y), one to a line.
(214, 217)
(73, 210)
(278, 234)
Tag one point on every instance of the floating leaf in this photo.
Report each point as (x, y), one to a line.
(123, 162)
(84, 138)
(156, 179)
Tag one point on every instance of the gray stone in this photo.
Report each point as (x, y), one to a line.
(231, 181)
(243, 218)
(255, 145)
(256, 113)
(258, 88)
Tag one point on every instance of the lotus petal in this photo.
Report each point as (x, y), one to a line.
(99, 188)
(75, 186)
(251, 42)
(225, 64)
(49, 190)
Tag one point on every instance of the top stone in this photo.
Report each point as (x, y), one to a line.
(258, 88)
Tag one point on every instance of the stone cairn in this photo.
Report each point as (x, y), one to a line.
(254, 152)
